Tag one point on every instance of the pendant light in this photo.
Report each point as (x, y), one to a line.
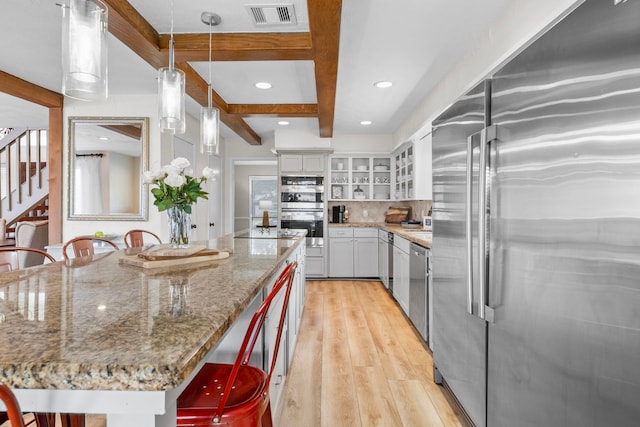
(209, 116)
(84, 50)
(171, 93)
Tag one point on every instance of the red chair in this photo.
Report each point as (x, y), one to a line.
(135, 238)
(237, 395)
(13, 408)
(83, 246)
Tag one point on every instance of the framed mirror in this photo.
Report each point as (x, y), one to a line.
(107, 156)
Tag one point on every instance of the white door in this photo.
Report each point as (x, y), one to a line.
(215, 199)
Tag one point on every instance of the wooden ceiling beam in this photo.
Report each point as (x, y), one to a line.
(22, 89)
(133, 30)
(241, 46)
(324, 23)
(274, 110)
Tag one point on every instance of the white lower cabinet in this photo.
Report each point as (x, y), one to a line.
(401, 278)
(353, 252)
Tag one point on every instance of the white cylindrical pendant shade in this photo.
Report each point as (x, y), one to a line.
(171, 90)
(209, 130)
(84, 50)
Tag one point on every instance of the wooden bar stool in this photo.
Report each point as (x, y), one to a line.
(83, 246)
(135, 238)
(237, 395)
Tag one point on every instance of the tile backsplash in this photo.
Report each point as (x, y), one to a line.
(373, 211)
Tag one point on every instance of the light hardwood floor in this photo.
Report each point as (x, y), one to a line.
(358, 362)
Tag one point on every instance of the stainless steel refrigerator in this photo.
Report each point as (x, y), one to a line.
(536, 240)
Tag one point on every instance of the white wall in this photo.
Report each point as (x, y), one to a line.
(523, 21)
(239, 149)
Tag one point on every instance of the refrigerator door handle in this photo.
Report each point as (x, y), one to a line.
(482, 217)
(488, 134)
(468, 223)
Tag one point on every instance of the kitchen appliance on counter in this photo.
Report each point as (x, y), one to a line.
(535, 252)
(338, 214)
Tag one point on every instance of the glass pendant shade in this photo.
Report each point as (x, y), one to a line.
(172, 100)
(84, 50)
(209, 130)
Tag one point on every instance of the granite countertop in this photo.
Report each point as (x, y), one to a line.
(416, 235)
(97, 324)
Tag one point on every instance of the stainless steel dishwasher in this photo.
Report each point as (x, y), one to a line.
(418, 296)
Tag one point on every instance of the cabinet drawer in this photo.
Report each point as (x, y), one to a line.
(340, 232)
(365, 232)
(315, 251)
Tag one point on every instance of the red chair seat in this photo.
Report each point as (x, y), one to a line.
(246, 403)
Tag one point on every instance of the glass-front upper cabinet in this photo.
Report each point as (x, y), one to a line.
(360, 177)
(404, 172)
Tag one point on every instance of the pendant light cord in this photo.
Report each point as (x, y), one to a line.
(209, 95)
(171, 54)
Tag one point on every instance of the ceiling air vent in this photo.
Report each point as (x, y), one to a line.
(281, 14)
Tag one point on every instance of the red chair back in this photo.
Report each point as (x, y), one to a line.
(13, 408)
(284, 282)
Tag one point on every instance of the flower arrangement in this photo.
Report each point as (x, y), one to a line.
(175, 185)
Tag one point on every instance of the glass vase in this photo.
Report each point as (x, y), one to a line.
(179, 227)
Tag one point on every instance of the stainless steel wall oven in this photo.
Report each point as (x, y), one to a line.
(302, 206)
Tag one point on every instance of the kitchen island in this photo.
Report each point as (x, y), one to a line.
(92, 335)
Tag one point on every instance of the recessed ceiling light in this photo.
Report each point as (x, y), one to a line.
(103, 138)
(283, 122)
(366, 122)
(263, 85)
(383, 84)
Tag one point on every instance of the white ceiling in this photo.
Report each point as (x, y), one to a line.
(410, 42)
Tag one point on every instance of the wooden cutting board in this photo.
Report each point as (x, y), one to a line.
(204, 255)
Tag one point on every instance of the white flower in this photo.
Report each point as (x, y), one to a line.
(174, 180)
(209, 173)
(171, 170)
(180, 163)
(148, 177)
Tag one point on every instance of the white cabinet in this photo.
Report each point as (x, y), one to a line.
(302, 162)
(353, 252)
(365, 252)
(404, 171)
(341, 252)
(360, 177)
(413, 170)
(290, 328)
(401, 278)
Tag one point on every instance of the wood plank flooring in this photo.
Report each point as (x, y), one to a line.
(358, 362)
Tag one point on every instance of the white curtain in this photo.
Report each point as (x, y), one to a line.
(88, 185)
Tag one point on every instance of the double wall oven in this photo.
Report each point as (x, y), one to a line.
(302, 206)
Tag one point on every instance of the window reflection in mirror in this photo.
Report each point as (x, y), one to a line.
(107, 157)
